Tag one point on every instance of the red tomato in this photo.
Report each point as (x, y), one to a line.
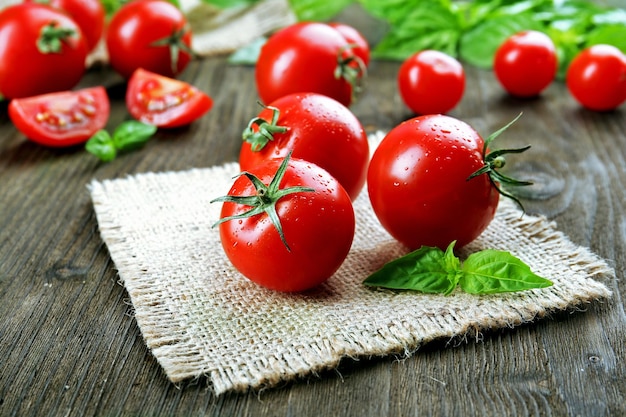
(163, 101)
(31, 64)
(431, 82)
(596, 77)
(307, 57)
(89, 15)
(526, 63)
(147, 34)
(354, 37)
(319, 129)
(318, 227)
(63, 118)
(418, 183)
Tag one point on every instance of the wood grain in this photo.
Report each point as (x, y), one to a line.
(69, 344)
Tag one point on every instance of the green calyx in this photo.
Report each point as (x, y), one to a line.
(351, 68)
(52, 36)
(265, 130)
(495, 160)
(175, 44)
(265, 198)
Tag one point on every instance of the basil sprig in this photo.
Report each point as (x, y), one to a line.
(129, 135)
(431, 270)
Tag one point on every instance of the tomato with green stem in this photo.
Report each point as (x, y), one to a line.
(149, 34)
(432, 180)
(596, 77)
(63, 118)
(164, 102)
(312, 127)
(41, 50)
(308, 57)
(276, 221)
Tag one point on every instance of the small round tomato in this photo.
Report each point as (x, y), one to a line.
(361, 47)
(300, 230)
(164, 102)
(596, 77)
(526, 63)
(418, 183)
(149, 34)
(431, 82)
(63, 118)
(308, 57)
(312, 127)
(41, 50)
(89, 15)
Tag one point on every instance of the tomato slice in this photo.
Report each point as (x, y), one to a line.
(164, 102)
(63, 118)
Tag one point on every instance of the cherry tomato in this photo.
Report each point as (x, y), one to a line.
(41, 50)
(308, 57)
(164, 102)
(431, 82)
(526, 63)
(596, 77)
(149, 34)
(315, 128)
(361, 47)
(89, 15)
(418, 183)
(63, 118)
(317, 226)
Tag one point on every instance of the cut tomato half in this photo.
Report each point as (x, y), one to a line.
(164, 102)
(61, 119)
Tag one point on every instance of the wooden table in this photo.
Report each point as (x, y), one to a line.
(69, 345)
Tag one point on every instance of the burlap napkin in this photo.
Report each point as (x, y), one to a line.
(199, 316)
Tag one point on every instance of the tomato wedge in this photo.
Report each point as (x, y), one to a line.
(164, 102)
(63, 118)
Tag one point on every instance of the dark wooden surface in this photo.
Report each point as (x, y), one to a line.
(69, 345)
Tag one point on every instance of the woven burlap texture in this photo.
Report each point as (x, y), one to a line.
(200, 317)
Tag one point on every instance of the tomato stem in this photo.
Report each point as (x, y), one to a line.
(351, 68)
(52, 36)
(495, 160)
(265, 199)
(176, 45)
(265, 130)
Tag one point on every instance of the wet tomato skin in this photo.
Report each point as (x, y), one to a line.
(318, 226)
(320, 130)
(418, 183)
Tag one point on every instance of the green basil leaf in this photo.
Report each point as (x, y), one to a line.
(225, 4)
(132, 134)
(479, 45)
(492, 271)
(248, 54)
(614, 34)
(316, 10)
(102, 146)
(427, 269)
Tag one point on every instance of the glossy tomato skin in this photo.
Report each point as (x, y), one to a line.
(361, 47)
(418, 183)
(63, 118)
(318, 226)
(320, 130)
(526, 63)
(89, 15)
(596, 77)
(135, 27)
(25, 70)
(431, 82)
(300, 58)
(164, 102)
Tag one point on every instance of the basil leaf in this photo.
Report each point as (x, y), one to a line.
(614, 34)
(248, 54)
(427, 269)
(132, 134)
(479, 45)
(316, 10)
(102, 146)
(492, 271)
